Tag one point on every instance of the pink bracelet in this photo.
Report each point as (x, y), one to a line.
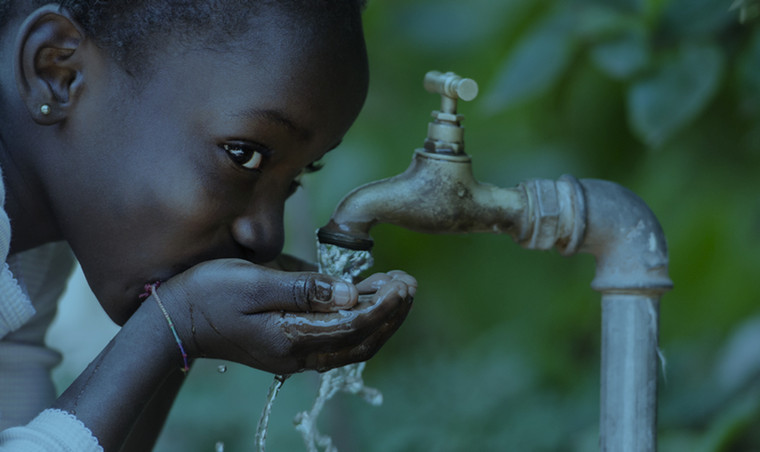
(150, 289)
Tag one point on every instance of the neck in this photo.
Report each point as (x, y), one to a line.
(32, 222)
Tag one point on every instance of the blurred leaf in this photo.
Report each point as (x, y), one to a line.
(623, 56)
(740, 363)
(689, 18)
(748, 9)
(748, 76)
(675, 93)
(535, 64)
(443, 26)
(600, 20)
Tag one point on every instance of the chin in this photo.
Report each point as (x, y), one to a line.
(121, 313)
(119, 305)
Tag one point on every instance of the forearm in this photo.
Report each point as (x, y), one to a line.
(145, 431)
(109, 396)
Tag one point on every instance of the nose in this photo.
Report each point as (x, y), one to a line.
(260, 232)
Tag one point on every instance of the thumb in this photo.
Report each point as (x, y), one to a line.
(321, 293)
(274, 290)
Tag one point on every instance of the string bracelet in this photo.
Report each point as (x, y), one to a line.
(151, 289)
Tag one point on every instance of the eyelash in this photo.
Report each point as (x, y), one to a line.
(312, 167)
(247, 156)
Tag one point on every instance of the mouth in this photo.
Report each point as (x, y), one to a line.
(153, 283)
(148, 289)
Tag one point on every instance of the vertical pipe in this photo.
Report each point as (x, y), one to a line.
(628, 418)
(617, 227)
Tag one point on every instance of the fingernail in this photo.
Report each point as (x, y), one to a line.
(323, 292)
(341, 293)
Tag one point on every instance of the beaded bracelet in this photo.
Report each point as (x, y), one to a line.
(150, 289)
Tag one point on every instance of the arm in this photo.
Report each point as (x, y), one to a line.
(105, 400)
(109, 396)
(145, 431)
(280, 322)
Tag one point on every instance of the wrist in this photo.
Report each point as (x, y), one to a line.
(125, 374)
(170, 324)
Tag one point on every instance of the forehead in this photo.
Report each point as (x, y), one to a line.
(278, 59)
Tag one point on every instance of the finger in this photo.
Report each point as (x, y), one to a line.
(321, 293)
(362, 351)
(262, 289)
(329, 332)
(408, 279)
(373, 283)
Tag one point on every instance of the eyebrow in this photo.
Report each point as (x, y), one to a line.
(277, 117)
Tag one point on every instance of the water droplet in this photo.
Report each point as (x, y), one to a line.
(221, 369)
(219, 447)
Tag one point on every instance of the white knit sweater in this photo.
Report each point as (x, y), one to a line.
(30, 285)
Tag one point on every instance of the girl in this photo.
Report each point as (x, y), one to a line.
(159, 141)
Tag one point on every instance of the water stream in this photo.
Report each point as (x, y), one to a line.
(345, 264)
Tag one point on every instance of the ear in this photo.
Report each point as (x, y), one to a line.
(48, 65)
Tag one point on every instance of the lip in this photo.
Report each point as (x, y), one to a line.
(231, 250)
(141, 287)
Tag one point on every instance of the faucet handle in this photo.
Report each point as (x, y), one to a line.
(451, 85)
(445, 133)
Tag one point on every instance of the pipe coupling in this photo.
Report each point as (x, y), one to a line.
(556, 214)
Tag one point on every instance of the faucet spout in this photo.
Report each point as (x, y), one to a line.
(437, 194)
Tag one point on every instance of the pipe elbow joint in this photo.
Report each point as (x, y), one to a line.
(626, 238)
(603, 219)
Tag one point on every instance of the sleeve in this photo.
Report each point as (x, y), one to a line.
(15, 308)
(51, 430)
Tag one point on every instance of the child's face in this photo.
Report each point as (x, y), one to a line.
(155, 180)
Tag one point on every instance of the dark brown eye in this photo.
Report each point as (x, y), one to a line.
(245, 156)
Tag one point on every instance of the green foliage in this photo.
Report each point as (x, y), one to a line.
(667, 56)
(675, 92)
(501, 350)
(535, 64)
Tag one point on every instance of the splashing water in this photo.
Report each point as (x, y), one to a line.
(346, 379)
(261, 428)
(345, 264)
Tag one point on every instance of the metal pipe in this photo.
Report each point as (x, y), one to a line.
(438, 194)
(613, 224)
(631, 273)
(628, 409)
(590, 216)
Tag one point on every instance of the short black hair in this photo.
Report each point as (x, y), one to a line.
(124, 27)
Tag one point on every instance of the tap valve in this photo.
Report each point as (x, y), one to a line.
(451, 86)
(445, 133)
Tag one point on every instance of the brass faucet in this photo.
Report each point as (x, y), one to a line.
(437, 194)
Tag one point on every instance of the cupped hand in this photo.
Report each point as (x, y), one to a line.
(284, 322)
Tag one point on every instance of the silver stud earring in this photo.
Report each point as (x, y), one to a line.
(45, 109)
